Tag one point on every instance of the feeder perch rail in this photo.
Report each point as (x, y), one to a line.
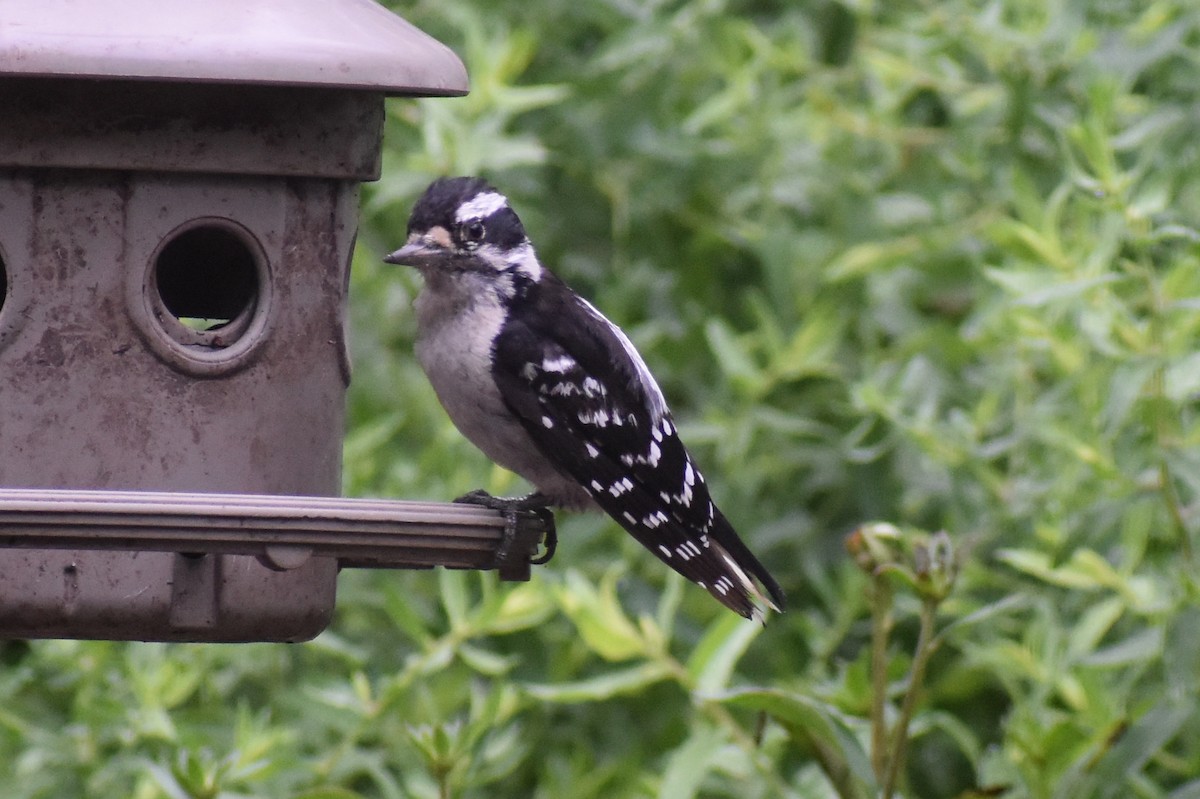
(283, 532)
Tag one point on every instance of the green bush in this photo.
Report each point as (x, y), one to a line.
(936, 264)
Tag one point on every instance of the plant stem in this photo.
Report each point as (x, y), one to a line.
(881, 629)
(925, 648)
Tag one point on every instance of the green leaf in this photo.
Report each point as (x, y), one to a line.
(1183, 379)
(630, 680)
(987, 613)
(817, 727)
(485, 662)
(598, 617)
(1181, 651)
(732, 355)
(1039, 565)
(1093, 625)
(1027, 243)
(1144, 646)
(868, 257)
(523, 606)
(713, 660)
(1106, 774)
(691, 762)
(452, 585)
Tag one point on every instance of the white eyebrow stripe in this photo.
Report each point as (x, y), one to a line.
(480, 206)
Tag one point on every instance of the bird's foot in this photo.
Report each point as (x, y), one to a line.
(536, 503)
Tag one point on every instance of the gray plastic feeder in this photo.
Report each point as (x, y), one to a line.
(178, 205)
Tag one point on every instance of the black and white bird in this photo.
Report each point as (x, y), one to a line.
(547, 387)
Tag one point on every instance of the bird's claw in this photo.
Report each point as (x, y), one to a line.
(511, 508)
(534, 501)
(482, 498)
(550, 542)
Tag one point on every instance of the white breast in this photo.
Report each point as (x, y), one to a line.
(458, 318)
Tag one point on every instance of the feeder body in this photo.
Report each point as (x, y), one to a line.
(176, 229)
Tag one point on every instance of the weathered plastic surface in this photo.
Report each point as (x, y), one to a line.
(100, 389)
(353, 44)
(202, 128)
(178, 207)
(94, 390)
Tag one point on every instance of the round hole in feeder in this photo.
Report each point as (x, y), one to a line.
(207, 290)
(207, 280)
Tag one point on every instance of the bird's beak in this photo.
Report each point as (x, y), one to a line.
(415, 254)
(422, 250)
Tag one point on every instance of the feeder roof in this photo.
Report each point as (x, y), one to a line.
(353, 44)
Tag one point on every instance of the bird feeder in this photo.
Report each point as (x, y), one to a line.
(178, 207)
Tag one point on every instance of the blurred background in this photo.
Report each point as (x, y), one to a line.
(933, 264)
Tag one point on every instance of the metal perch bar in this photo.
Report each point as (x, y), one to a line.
(282, 531)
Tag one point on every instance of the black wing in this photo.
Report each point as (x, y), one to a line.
(595, 412)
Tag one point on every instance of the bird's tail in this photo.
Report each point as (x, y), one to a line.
(738, 589)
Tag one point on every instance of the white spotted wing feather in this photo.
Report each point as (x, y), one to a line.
(614, 435)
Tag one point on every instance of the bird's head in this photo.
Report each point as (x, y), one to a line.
(465, 225)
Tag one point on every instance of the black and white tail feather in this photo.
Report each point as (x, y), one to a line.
(545, 385)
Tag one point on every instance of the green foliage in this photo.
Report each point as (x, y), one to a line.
(933, 263)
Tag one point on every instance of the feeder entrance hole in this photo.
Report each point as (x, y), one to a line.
(207, 280)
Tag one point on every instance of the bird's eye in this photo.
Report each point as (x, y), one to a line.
(473, 232)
